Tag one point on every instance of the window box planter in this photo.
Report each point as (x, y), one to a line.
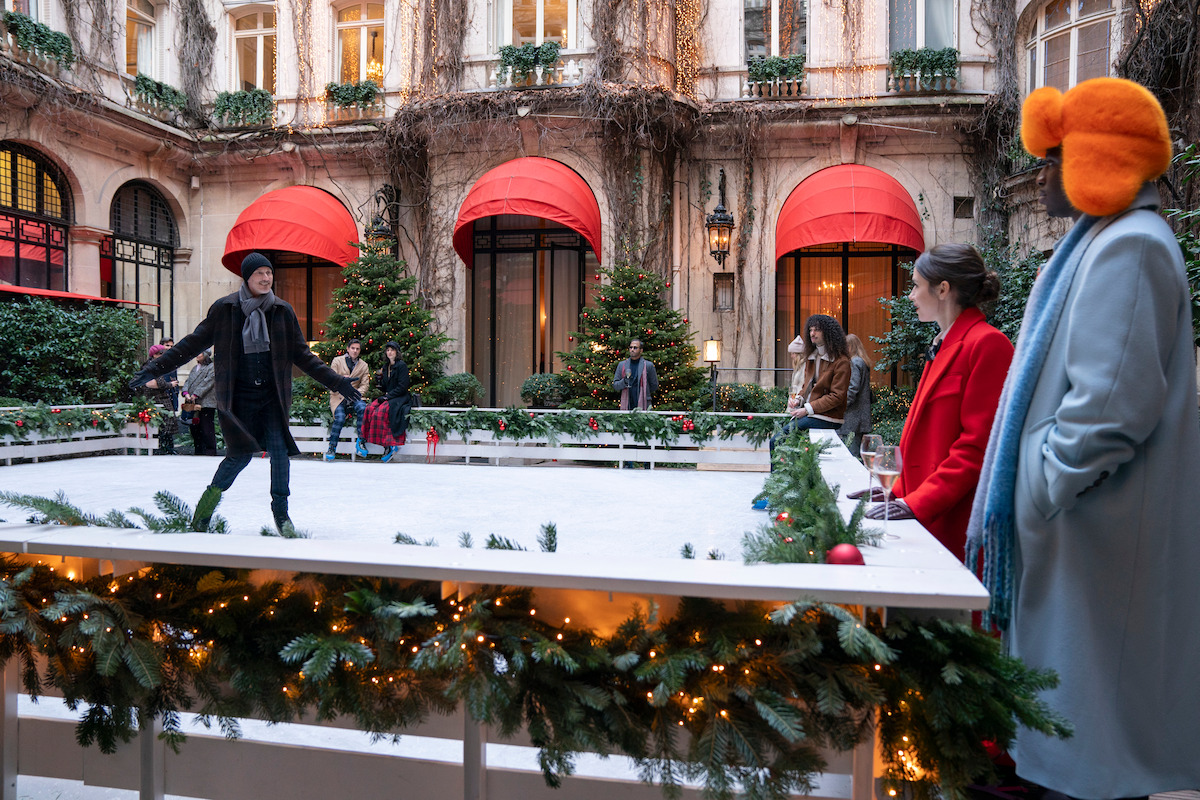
(246, 108)
(528, 65)
(923, 70)
(157, 99)
(347, 102)
(37, 45)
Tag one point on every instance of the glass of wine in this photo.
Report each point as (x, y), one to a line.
(887, 470)
(871, 443)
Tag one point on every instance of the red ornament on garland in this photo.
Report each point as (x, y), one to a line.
(640, 276)
(20, 423)
(56, 411)
(844, 554)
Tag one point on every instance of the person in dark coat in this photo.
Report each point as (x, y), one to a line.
(161, 392)
(256, 340)
(394, 405)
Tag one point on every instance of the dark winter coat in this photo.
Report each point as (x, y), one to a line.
(393, 384)
(222, 331)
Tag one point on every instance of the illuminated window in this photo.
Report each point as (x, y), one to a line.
(359, 32)
(33, 220)
(775, 27)
(138, 261)
(1070, 41)
(254, 46)
(534, 22)
(26, 7)
(913, 24)
(843, 280)
(140, 16)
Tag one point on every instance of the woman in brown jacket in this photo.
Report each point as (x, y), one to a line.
(820, 380)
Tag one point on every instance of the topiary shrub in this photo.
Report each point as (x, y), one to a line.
(459, 390)
(889, 408)
(747, 398)
(544, 390)
(67, 353)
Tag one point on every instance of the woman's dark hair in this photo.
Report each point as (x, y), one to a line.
(831, 329)
(961, 266)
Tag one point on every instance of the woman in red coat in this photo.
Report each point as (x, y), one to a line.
(946, 432)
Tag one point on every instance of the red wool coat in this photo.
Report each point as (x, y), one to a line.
(947, 428)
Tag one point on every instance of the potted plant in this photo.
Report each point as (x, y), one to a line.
(39, 41)
(460, 390)
(923, 69)
(543, 390)
(245, 107)
(778, 74)
(157, 98)
(346, 95)
(518, 63)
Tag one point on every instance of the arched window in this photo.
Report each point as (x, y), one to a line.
(1070, 41)
(359, 31)
(34, 215)
(775, 27)
(137, 261)
(141, 18)
(254, 51)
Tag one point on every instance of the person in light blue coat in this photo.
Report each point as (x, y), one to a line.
(1090, 538)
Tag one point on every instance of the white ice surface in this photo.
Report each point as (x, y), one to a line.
(605, 512)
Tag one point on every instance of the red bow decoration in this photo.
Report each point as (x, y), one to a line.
(144, 416)
(431, 443)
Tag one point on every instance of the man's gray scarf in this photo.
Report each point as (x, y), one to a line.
(255, 338)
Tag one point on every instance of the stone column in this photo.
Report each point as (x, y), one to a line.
(83, 259)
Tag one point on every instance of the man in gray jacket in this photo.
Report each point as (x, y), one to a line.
(1090, 547)
(199, 390)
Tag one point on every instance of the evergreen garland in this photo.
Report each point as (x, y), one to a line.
(630, 305)
(806, 521)
(47, 421)
(744, 696)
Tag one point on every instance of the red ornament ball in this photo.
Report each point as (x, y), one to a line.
(668, 284)
(20, 423)
(621, 297)
(640, 276)
(844, 554)
(56, 411)
(381, 287)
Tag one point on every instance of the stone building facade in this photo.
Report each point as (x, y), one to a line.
(646, 103)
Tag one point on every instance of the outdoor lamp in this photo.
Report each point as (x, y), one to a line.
(720, 225)
(712, 354)
(378, 234)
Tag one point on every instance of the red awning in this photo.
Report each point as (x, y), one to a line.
(535, 187)
(298, 219)
(67, 295)
(848, 203)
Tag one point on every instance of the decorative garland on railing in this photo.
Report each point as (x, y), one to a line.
(46, 421)
(520, 423)
(742, 696)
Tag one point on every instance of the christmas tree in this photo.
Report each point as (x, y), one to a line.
(630, 304)
(376, 305)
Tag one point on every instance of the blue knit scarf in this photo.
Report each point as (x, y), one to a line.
(991, 527)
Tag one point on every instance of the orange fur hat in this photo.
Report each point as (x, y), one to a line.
(1114, 138)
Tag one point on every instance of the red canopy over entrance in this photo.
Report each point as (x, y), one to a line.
(299, 219)
(57, 295)
(848, 203)
(535, 187)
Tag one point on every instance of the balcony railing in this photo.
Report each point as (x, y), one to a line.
(566, 72)
(914, 83)
(778, 88)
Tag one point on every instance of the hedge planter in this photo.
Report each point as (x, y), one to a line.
(37, 45)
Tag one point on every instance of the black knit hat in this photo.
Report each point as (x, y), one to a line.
(252, 262)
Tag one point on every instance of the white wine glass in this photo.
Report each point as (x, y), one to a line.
(887, 467)
(871, 442)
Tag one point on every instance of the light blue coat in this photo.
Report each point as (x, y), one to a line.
(1108, 523)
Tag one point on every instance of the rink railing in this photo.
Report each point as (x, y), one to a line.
(486, 447)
